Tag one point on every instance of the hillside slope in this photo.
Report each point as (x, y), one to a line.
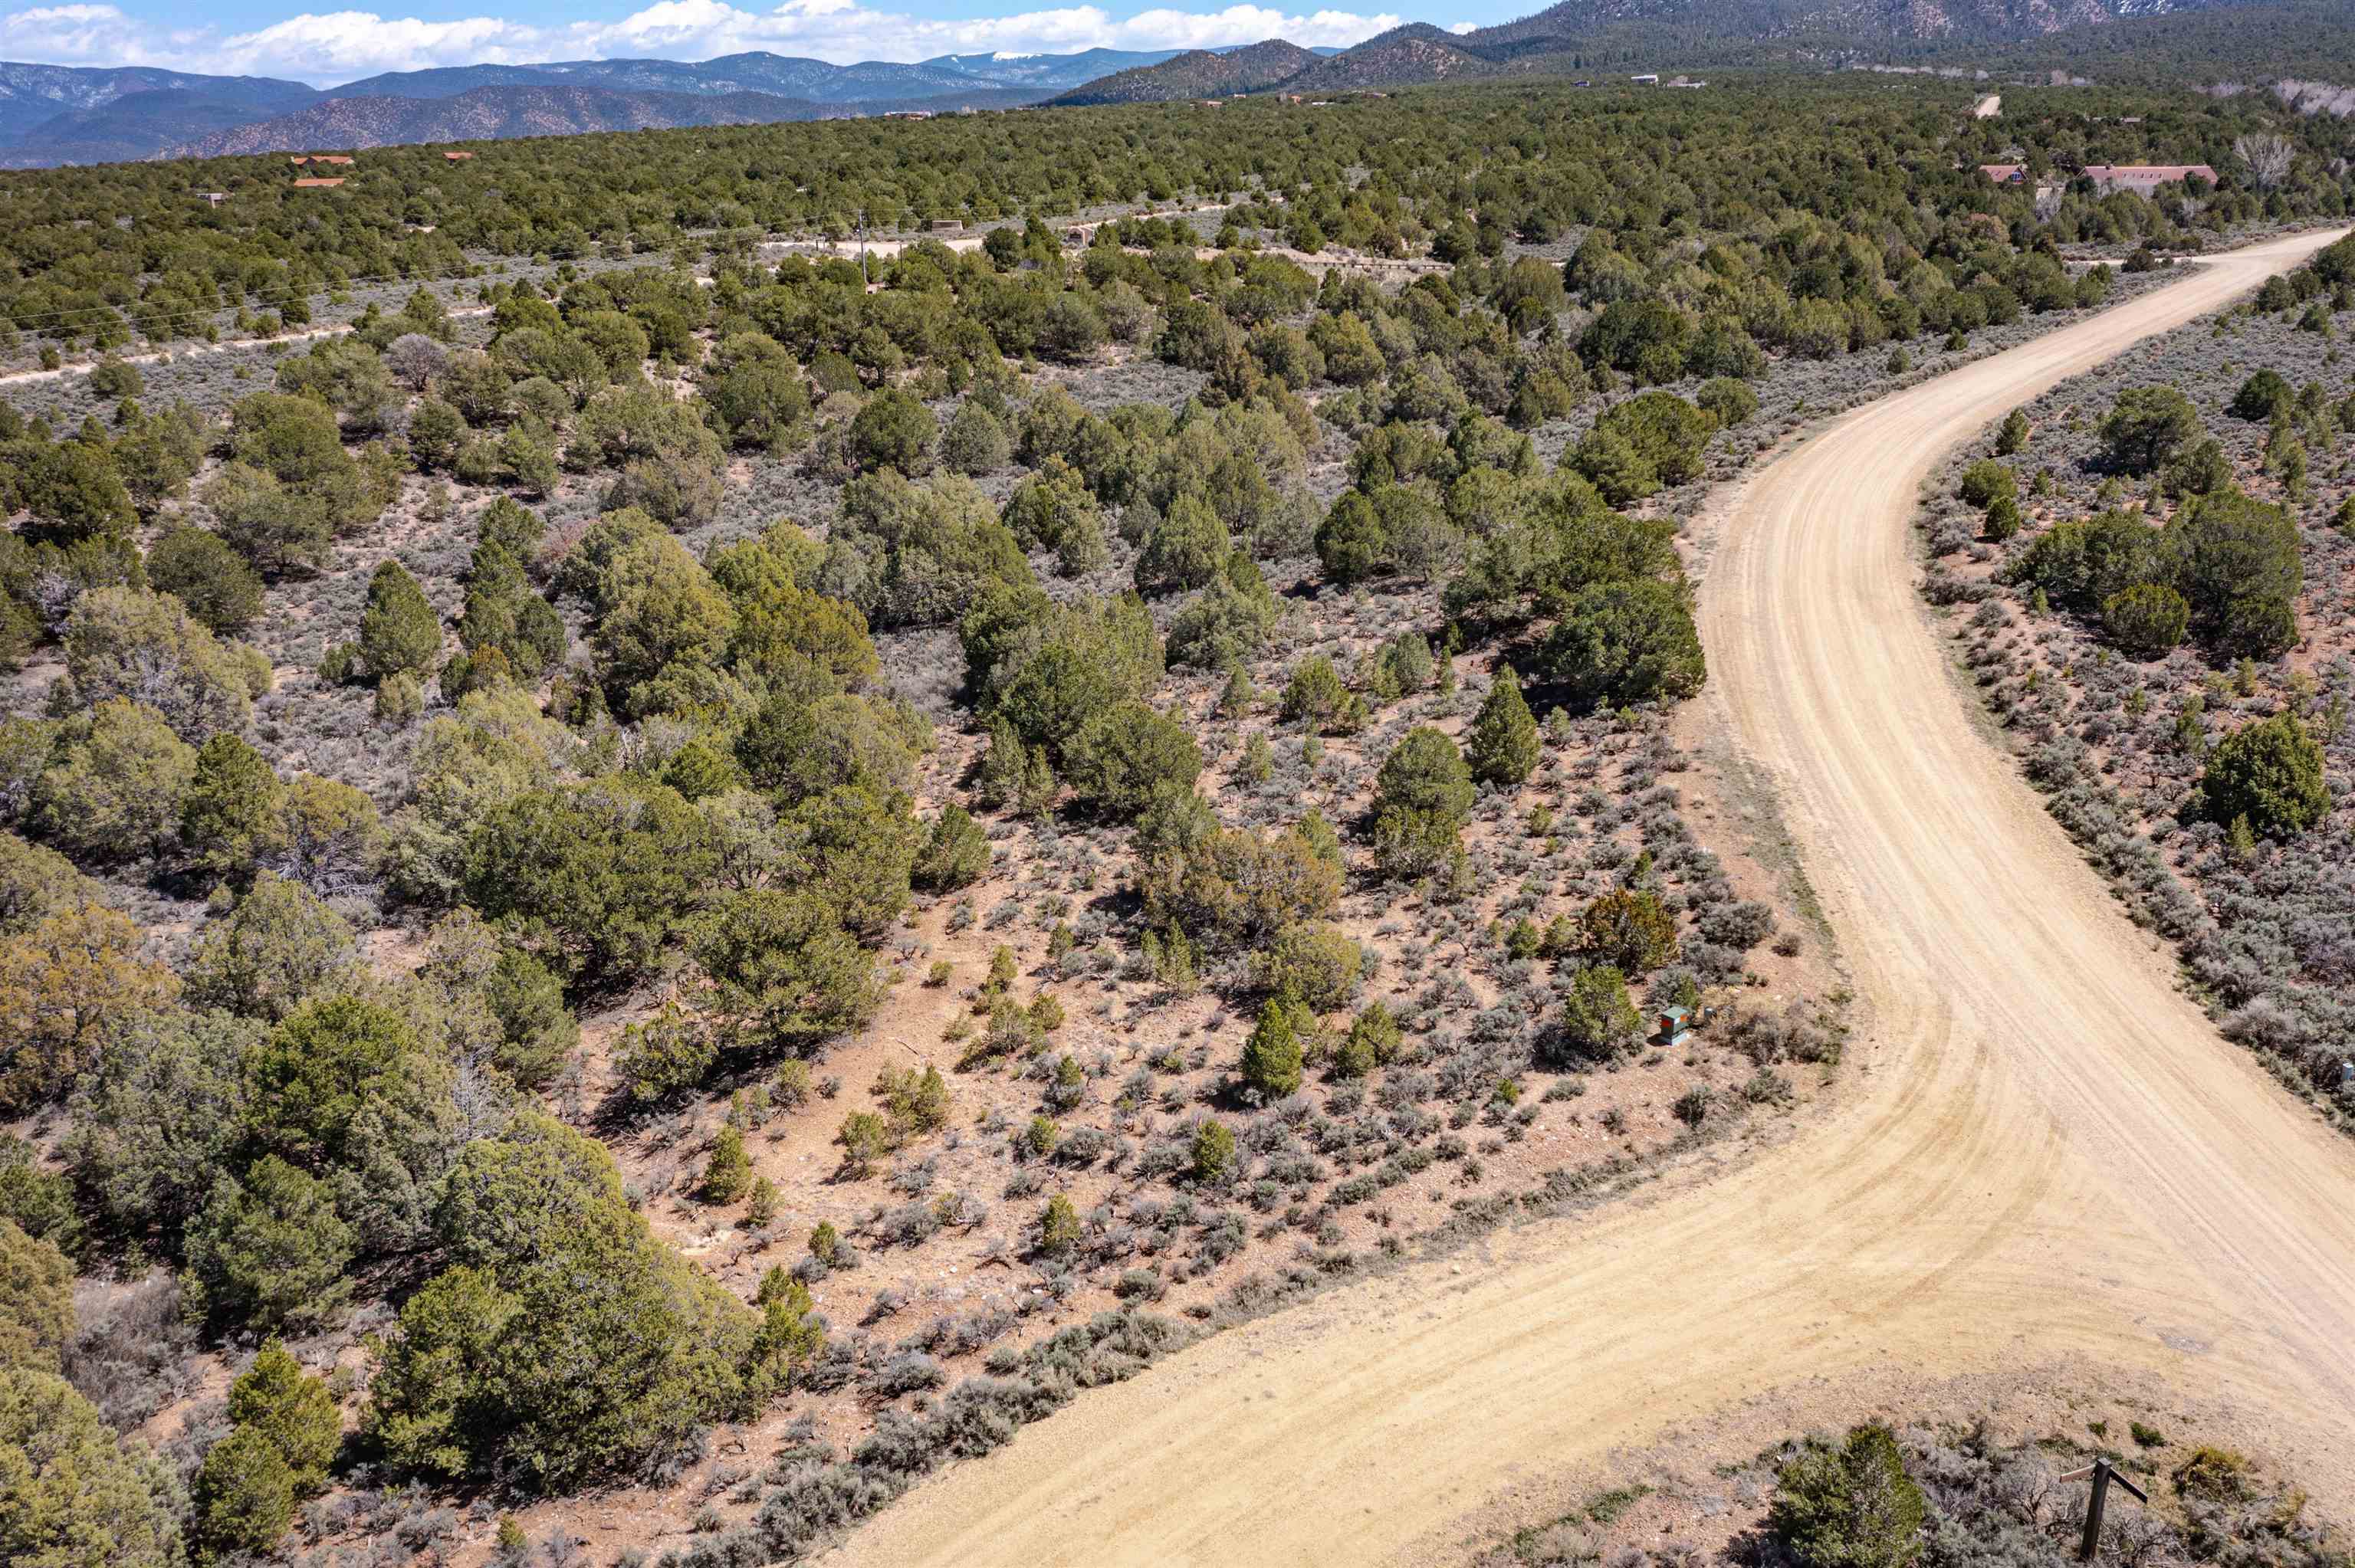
(489, 113)
(1199, 73)
(1766, 20)
(1051, 73)
(136, 125)
(2050, 1153)
(32, 95)
(1417, 52)
(757, 71)
(1576, 34)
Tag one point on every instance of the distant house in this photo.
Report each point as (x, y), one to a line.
(316, 185)
(214, 198)
(1649, 79)
(948, 226)
(2139, 178)
(327, 158)
(2144, 178)
(457, 157)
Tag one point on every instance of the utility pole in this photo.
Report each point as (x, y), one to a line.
(2102, 1474)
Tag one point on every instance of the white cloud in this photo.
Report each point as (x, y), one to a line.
(341, 46)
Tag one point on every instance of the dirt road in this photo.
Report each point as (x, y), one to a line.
(2043, 1151)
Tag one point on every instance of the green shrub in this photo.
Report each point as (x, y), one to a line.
(2003, 518)
(233, 813)
(564, 1343)
(1598, 1019)
(1272, 1055)
(895, 431)
(1622, 642)
(1727, 400)
(270, 1250)
(2262, 396)
(1850, 1507)
(1127, 755)
(1351, 544)
(72, 1492)
(1187, 548)
(2147, 620)
(2012, 435)
(1504, 747)
(1628, 930)
(244, 1494)
(2268, 773)
(1213, 1153)
(1373, 1041)
(728, 1172)
(399, 632)
(956, 854)
(1059, 1226)
(1422, 796)
(1315, 695)
(37, 1310)
(1315, 965)
(665, 1056)
(295, 1411)
(2147, 426)
(1986, 479)
(199, 568)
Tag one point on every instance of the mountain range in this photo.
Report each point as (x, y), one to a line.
(53, 114)
(1579, 35)
(496, 113)
(59, 114)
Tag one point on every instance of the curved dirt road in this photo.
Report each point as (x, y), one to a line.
(2045, 1152)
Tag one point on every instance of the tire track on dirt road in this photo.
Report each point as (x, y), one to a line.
(2043, 1151)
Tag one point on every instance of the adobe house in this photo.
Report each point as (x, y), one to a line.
(316, 185)
(457, 157)
(2144, 178)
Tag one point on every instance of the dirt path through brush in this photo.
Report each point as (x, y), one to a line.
(2044, 1151)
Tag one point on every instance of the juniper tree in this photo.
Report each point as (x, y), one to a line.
(1504, 747)
(2269, 773)
(1422, 796)
(399, 632)
(1272, 1055)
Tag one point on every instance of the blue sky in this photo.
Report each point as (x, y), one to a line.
(253, 38)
